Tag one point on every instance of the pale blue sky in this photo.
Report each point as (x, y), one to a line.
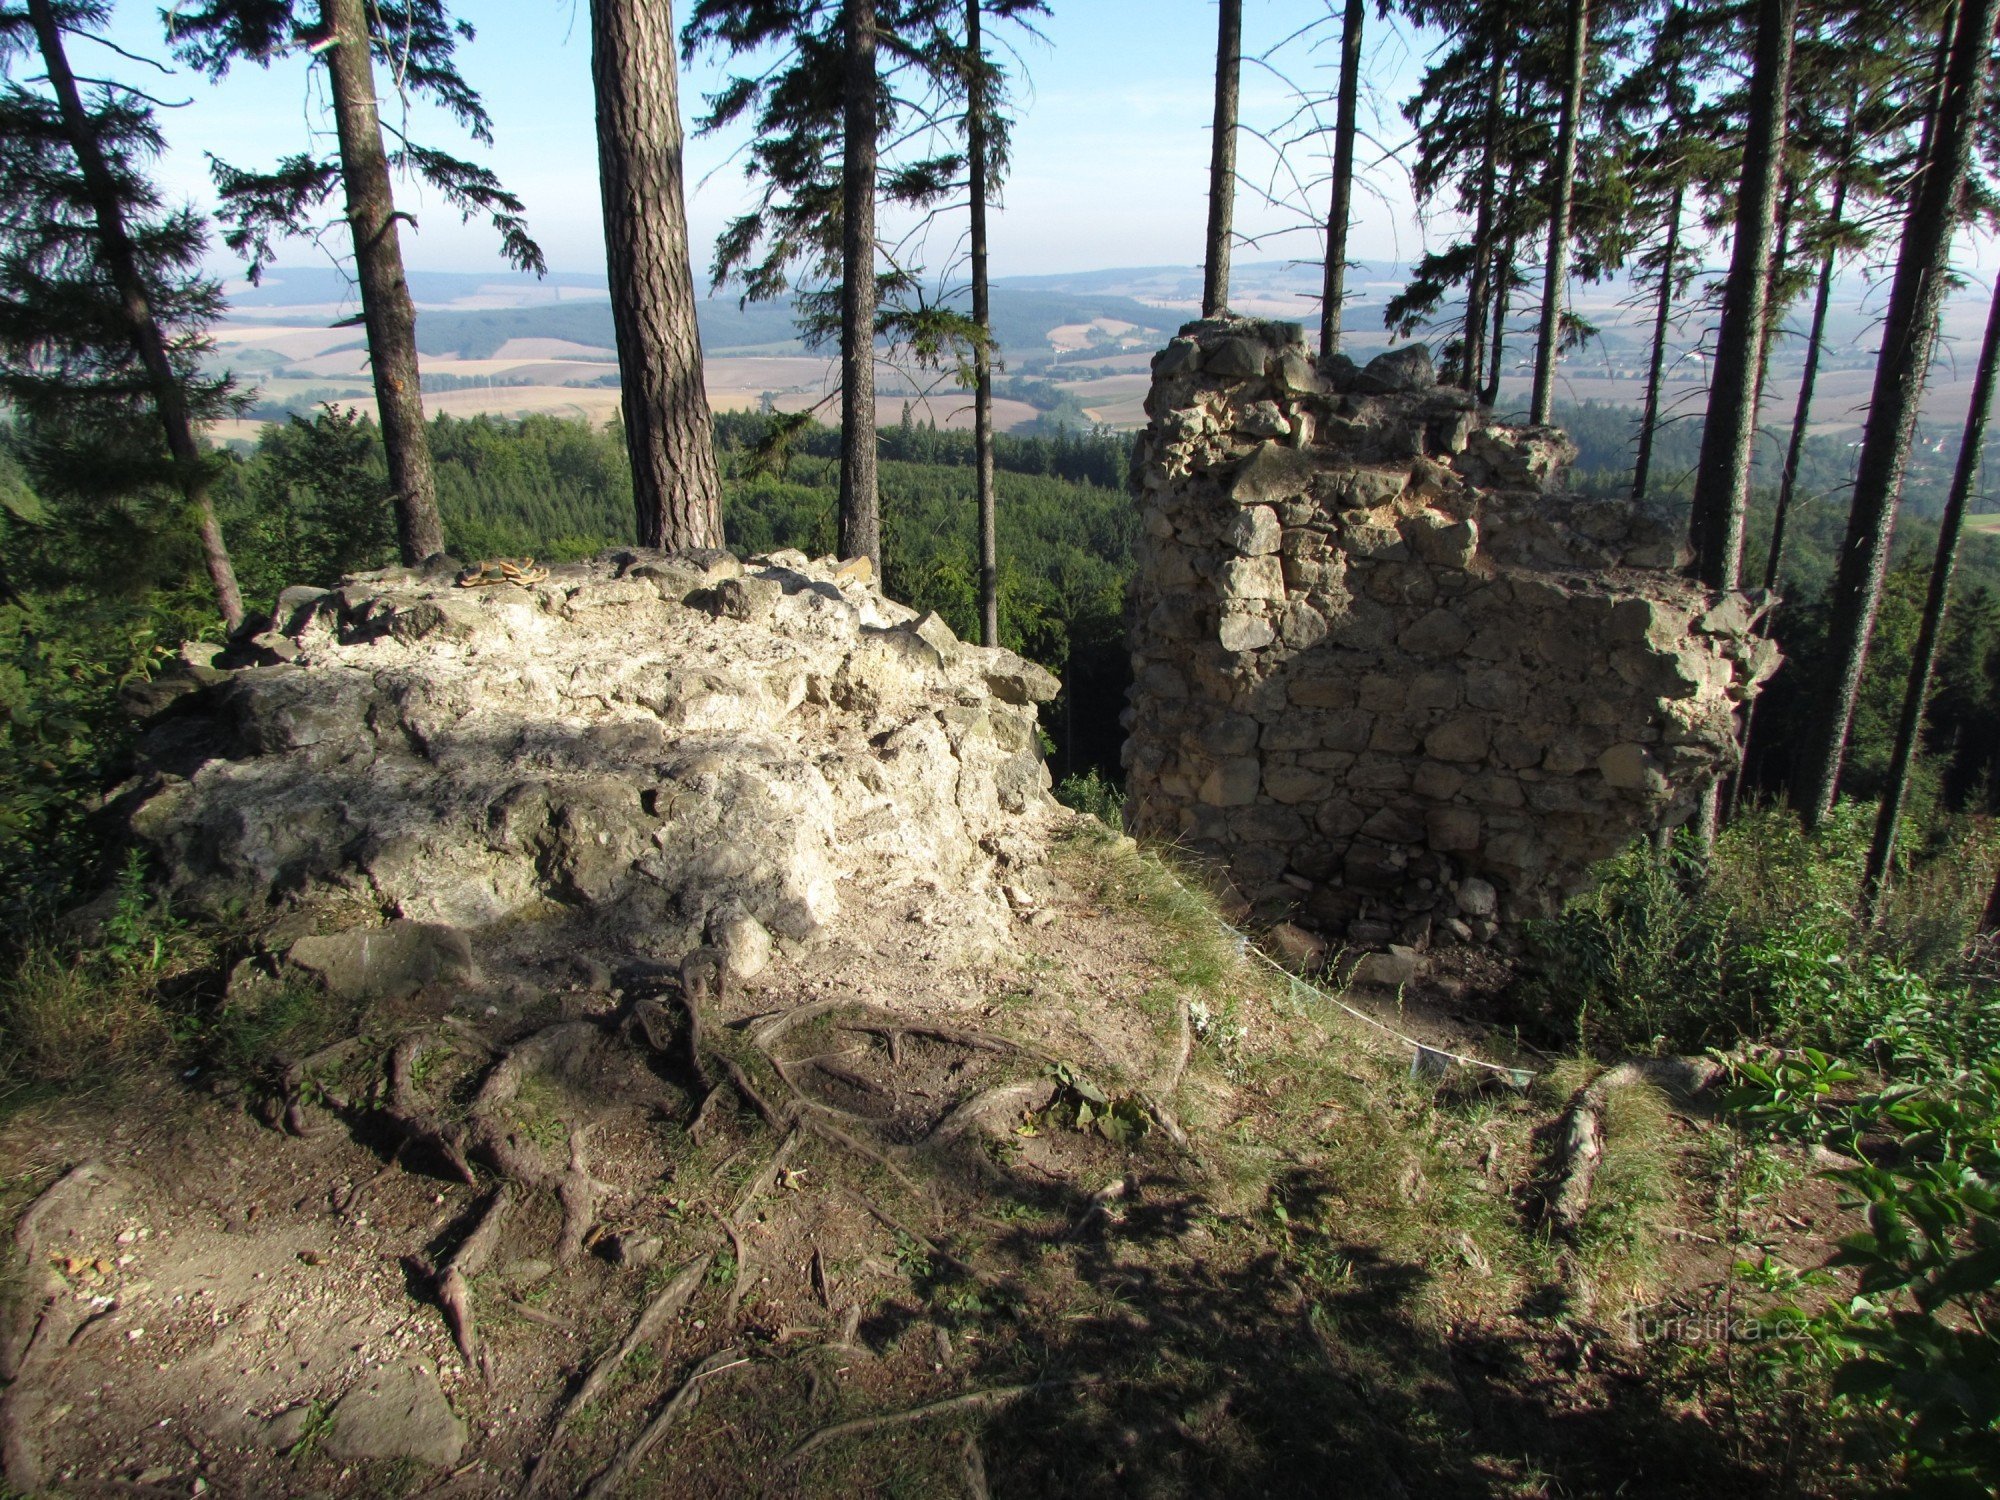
(1110, 161)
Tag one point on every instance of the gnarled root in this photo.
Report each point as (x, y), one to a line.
(1583, 1138)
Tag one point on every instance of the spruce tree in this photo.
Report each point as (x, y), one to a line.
(1562, 204)
(1340, 213)
(104, 308)
(1923, 658)
(418, 41)
(1222, 160)
(819, 114)
(987, 128)
(1909, 332)
(1722, 477)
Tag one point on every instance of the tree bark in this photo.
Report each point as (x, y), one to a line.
(1555, 272)
(1479, 288)
(1663, 312)
(982, 353)
(1339, 216)
(1989, 921)
(1222, 161)
(860, 504)
(386, 309)
(1909, 331)
(676, 492)
(1889, 816)
(1788, 480)
(1722, 476)
(121, 261)
(1503, 289)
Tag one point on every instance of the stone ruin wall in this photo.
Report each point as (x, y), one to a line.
(1389, 676)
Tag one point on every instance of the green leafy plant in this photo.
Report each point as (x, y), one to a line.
(1916, 1352)
(1080, 1105)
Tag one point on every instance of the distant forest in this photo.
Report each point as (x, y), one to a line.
(557, 488)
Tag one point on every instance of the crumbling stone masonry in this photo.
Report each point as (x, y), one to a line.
(1388, 674)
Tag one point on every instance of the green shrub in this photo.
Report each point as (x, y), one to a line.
(1762, 943)
(1912, 1361)
(71, 1017)
(1096, 794)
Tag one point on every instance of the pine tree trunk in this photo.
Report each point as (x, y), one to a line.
(1340, 214)
(1479, 287)
(386, 309)
(676, 493)
(1722, 476)
(1555, 273)
(860, 505)
(1989, 921)
(1503, 289)
(1909, 331)
(982, 353)
(121, 261)
(1222, 161)
(1788, 480)
(1663, 312)
(1889, 816)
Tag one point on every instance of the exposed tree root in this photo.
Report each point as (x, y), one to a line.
(975, 1469)
(966, 1401)
(645, 1329)
(612, 1480)
(1003, 1098)
(976, 1041)
(1169, 1082)
(742, 1253)
(894, 1225)
(420, 1124)
(764, 1030)
(449, 1284)
(579, 1194)
(742, 1084)
(1583, 1138)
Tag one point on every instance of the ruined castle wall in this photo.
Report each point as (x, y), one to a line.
(1388, 674)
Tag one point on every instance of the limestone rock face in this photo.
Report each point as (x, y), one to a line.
(1387, 672)
(682, 748)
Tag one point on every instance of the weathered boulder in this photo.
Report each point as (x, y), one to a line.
(397, 1412)
(682, 748)
(1388, 673)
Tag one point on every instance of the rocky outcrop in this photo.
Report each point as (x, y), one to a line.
(1388, 673)
(676, 749)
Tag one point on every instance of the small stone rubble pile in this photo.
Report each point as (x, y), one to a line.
(1389, 676)
(673, 748)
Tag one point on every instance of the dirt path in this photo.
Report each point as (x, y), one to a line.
(1101, 1212)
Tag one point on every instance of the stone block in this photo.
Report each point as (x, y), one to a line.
(1389, 970)
(1242, 631)
(1233, 782)
(1437, 633)
(385, 963)
(1466, 737)
(1452, 830)
(1263, 419)
(1254, 531)
(1274, 472)
(1253, 578)
(1477, 897)
(1293, 785)
(1233, 359)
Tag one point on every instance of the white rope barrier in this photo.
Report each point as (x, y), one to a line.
(1425, 1059)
